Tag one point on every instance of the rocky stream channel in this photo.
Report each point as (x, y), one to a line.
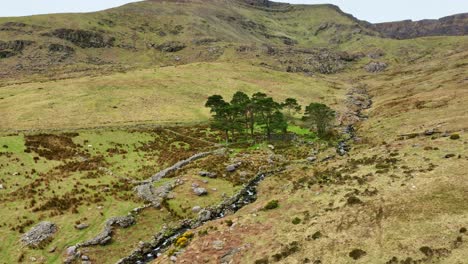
(164, 239)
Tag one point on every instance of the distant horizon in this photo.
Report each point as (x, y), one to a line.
(368, 10)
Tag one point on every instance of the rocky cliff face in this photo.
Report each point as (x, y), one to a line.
(456, 25)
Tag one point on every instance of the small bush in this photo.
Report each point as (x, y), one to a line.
(262, 261)
(455, 136)
(273, 204)
(229, 222)
(357, 254)
(296, 221)
(188, 235)
(181, 242)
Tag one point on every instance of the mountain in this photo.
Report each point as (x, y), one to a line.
(456, 25)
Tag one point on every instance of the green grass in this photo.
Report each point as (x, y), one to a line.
(162, 96)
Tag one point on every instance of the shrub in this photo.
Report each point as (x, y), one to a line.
(455, 136)
(181, 242)
(273, 204)
(296, 221)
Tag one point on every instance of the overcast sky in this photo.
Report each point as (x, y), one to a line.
(370, 10)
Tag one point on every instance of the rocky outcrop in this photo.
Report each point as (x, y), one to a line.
(176, 166)
(39, 235)
(15, 45)
(83, 38)
(155, 196)
(456, 25)
(171, 46)
(376, 66)
(60, 48)
(12, 48)
(106, 235)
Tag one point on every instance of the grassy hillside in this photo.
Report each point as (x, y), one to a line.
(163, 96)
(160, 33)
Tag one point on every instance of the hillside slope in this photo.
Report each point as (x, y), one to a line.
(162, 33)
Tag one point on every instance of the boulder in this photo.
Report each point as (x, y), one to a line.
(204, 215)
(207, 174)
(81, 226)
(122, 221)
(39, 234)
(233, 167)
(200, 191)
(196, 209)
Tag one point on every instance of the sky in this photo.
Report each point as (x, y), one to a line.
(370, 10)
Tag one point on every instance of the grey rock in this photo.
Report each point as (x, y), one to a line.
(204, 215)
(71, 251)
(195, 185)
(311, 159)
(218, 244)
(196, 209)
(200, 191)
(207, 174)
(122, 221)
(233, 167)
(173, 258)
(106, 235)
(1, 187)
(376, 66)
(177, 166)
(81, 226)
(39, 234)
(84, 257)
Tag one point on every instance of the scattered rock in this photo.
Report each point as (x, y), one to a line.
(71, 251)
(207, 174)
(171, 46)
(376, 66)
(357, 254)
(204, 215)
(84, 257)
(122, 221)
(1, 187)
(311, 159)
(200, 191)
(173, 258)
(218, 244)
(39, 235)
(52, 249)
(81, 226)
(233, 167)
(196, 209)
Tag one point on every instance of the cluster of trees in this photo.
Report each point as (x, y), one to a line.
(243, 114)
